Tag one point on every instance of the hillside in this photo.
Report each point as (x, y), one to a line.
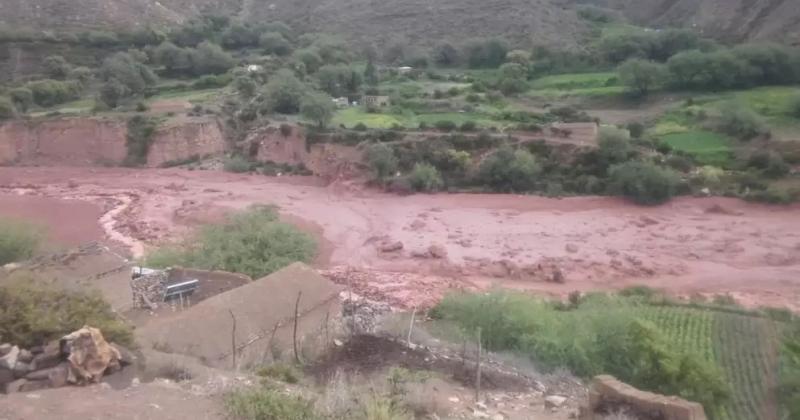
(734, 20)
(551, 21)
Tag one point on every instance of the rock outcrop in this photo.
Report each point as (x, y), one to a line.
(608, 394)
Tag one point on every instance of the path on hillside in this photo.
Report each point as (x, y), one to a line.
(689, 246)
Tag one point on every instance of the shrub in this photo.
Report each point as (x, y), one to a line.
(614, 146)
(794, 106)
(425, 178)
(286, 130)
(47, 93)
(644, 183)
(211, 81)
(774, 196)
(56, 67)
(237, 164)
(509, 170)
(641, 76)
(468, 126)
(22, 98)
(284, 92)
(601, 335)
(318, 108)
(128, 70)
(382, 160)
(741, 122)
(138, 139)
(112, 92)
(445, 125)
(680, 163)
(770, 164)
(18, 240)
(636, 129)
(7, 109)
(268, 404)
(360, 127)
(210, 58)
(253, 242)
(33, 314)
(280, 372)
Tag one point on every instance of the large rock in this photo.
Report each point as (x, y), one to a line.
(5, 348)
(89, 355)
(9, 360)
(6, 376)
(22, 369)
(55, 376)
(554, 402)
(25, 356)
(608, 390)
(50, 356)
(126, 357)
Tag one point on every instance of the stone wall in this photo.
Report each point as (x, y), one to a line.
(197, 137)
(148, 291)
(607, 393)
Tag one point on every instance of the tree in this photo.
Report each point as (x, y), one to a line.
(133, 74)
(22, 98)
(686, 67)
(318, 108)
(81, 74)
(371, 74)
(509, 170)
(740, 121)
(175, 60)
(246, 86)
(275, 43)
(488, 53)
(7, 110)
(211, 59)
(425, 178)
(614, 146)
(56, 67)
(445, 54)
(310, 58)
(644, 183)
(112, 92)
(339, 79)
(641, 76)
(284, 92)
(47, 92)
(520, 57)
(382, 160)
(512, 78)
(239, 35)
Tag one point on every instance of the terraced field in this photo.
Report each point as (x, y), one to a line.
(744, 347)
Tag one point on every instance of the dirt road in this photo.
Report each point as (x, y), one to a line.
(690, 246)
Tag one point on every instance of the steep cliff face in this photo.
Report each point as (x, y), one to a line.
(101, 141)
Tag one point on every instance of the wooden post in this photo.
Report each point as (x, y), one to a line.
(478, 370)
(233, 338)
(411, 326)
(294, 335)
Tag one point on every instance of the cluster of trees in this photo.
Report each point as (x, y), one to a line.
(722, 68)
(206, 58)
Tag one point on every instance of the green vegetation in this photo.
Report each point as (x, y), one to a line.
(425, 178)
(706, 147)
(317, 108)
(7, 109)
(254, 242)
(724, 357)
(268, 404)
(509, 170)
(643, 182)
(790, 372)
(138, 139)
(32, 314)
(382, 161)
(19, 240)
(280, 372)
(640, 76)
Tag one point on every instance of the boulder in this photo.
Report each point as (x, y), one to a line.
(31, 386)
(55, 376)
(49, 357)
(25, 356)
(126, 357)
(15, 386)
(90, 355)
(554, 401)
(437, 251)
(22, 369)
(571, 248)
(391, 246)
(6, 376)
(9, 360)
(5, 348)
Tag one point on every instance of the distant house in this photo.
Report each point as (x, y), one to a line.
(375, 101)
(342, 102)
(405, 69)
(253, 68)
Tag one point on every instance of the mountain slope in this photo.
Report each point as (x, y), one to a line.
(541, 21)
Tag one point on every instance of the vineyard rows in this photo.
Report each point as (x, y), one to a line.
(744, 347)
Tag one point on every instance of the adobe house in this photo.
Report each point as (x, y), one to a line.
(376, 101)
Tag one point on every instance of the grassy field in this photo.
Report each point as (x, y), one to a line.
(708, 148)
(745, 347)
(350, 117)
(578, 84)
